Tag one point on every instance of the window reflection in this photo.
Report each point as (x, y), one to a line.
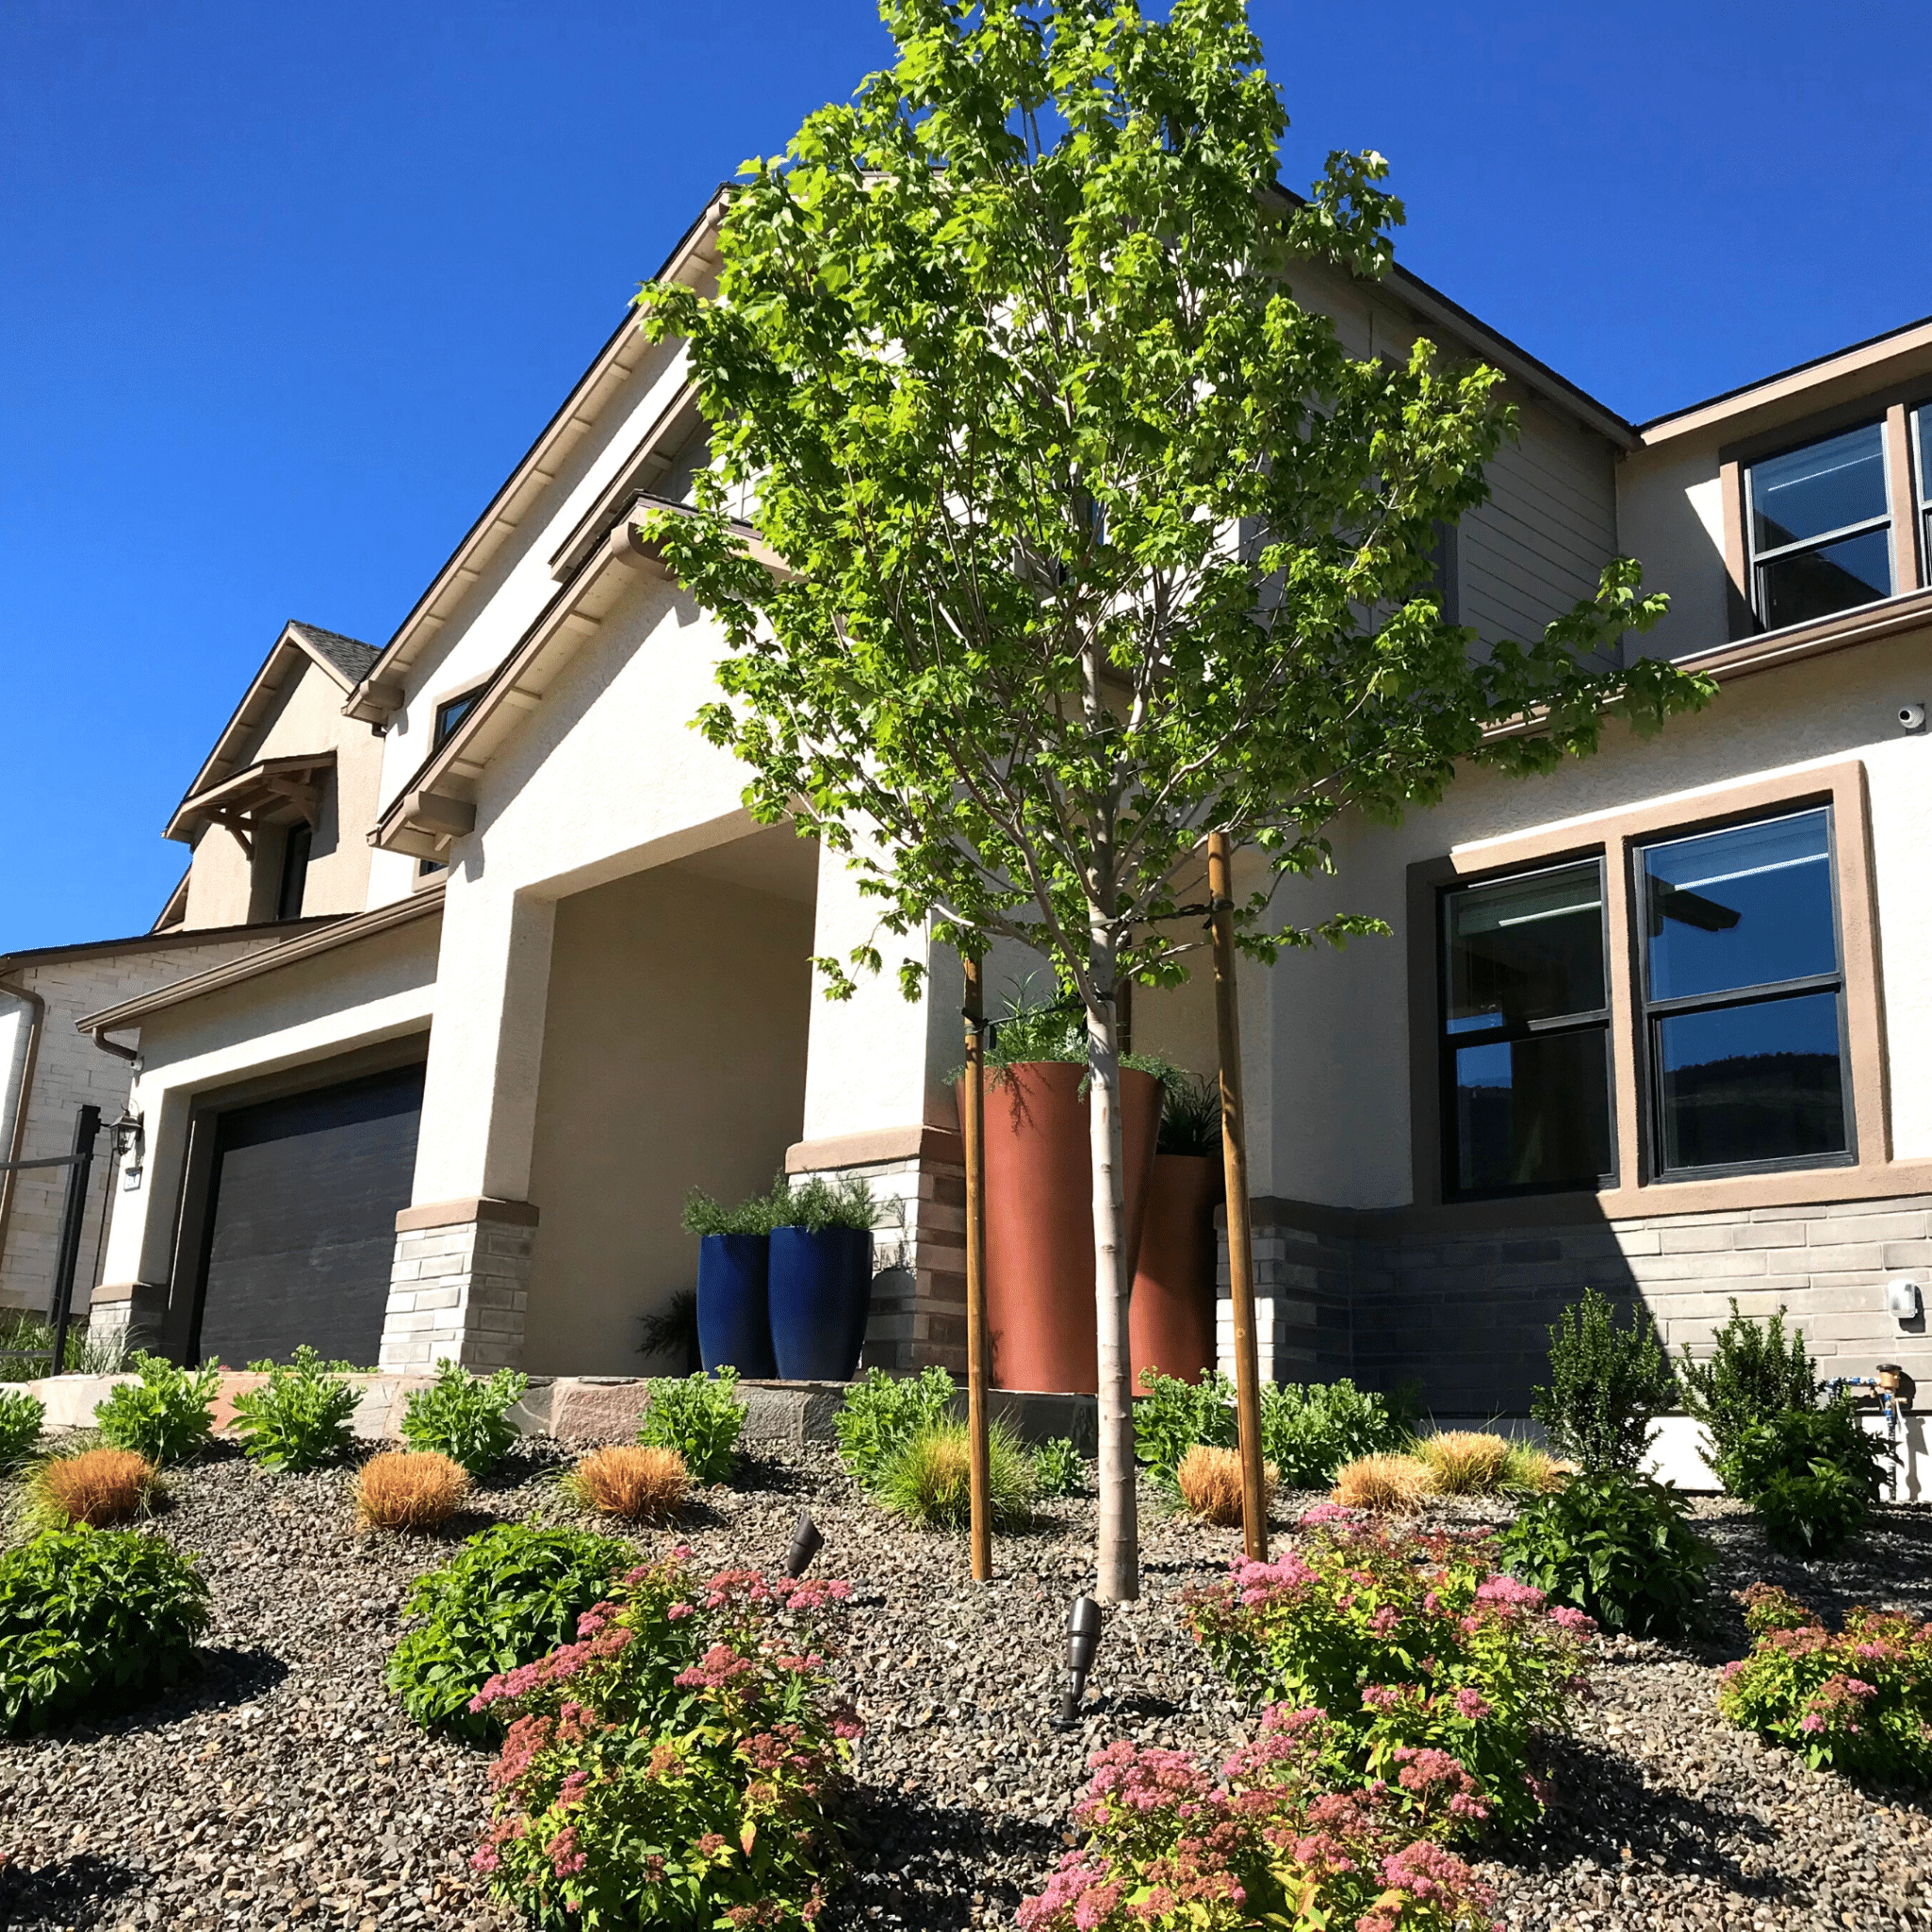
(1757, 1083)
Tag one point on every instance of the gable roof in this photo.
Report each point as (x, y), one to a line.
(298, 646)
(379, 692)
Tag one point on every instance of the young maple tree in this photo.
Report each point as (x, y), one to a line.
(1094, 539)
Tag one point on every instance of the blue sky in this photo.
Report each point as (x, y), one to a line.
(284, 291)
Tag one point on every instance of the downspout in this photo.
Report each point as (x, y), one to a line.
(26, 1058)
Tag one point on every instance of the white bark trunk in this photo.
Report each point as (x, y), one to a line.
(1119, 1551)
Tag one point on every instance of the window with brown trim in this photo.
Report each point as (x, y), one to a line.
(1818, 523)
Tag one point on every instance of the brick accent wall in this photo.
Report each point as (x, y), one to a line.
(919, 1260)
(1467, 1314)
(458, 1293)
(69, 1071)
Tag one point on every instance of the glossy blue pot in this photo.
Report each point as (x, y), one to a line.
(821, 1293)
(734, 1327)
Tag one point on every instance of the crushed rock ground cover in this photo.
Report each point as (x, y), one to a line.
(281, 1787)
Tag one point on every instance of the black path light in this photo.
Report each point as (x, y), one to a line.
(807, 1541)
(1083, 1640)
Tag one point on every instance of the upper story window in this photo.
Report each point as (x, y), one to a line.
(297, 842)
(1819, 524)
(1921, 449)
(1526, 1042)
(451, 713)
(1744, 997)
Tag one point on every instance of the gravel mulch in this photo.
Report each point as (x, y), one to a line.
(281, 1787)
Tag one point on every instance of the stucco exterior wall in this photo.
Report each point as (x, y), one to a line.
(1670, 512)
(69, 1071)
(1344, 1020)
(228, 887)
(311, 1011)
(673, 1058)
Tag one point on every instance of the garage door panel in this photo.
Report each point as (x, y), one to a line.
(302, 1219)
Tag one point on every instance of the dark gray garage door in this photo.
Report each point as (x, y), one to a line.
(302, 1219)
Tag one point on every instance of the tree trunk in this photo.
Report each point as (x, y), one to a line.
(1119, 1553)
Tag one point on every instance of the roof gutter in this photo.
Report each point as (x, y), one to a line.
(26, 1056)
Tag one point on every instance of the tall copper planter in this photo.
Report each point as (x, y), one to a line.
(1172, 1319)
(1039, 1219)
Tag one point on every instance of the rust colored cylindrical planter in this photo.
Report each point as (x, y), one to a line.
(1172, 1319)
(1039, 1219)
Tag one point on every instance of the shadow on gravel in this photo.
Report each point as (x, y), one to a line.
(923, 1865)
(1601, 1805)
(769, 1476)
(63, 1892)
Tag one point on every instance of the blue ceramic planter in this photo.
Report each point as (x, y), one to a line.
(734, 1326)
(820, 1292)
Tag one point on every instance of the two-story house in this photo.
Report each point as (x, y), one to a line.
(1637, 1028)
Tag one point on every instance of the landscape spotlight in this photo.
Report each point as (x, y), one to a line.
(807, 1541)
(1083, 1640)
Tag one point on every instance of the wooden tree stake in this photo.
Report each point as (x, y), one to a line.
(1233, 1140)
(973, 1131)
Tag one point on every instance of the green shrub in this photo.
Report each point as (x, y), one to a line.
(928, 1478)
(1269, 1845)
(1756, 1372)
(883, 1411)
(1861, 1701)
(1309, 1430)
(92, 1619)
(704, 1216)
(301, 1417)
(1410, 1644)
(1607, 1386)
(1170, 1416)
(509, 1596)
(1810, 1474)
(680, 1765)
(167, 1415)
(1616, 1545)
(1058, 1468)
(464, 1418)
(21, 1416)
(698, 1416)
(1189, 1113)
(819, 1202)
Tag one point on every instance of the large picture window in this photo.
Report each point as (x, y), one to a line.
(1744, 997)
(1819, 527)
(1526, 1033)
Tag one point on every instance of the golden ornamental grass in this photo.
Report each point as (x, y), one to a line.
(645, 1485)
(1384, 1484)
(1209, 1481)
(409, 1489)
(98, 1487)
(1466, 1462)
(1533, 1471)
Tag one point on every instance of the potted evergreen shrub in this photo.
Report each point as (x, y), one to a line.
(1170, 1318)
(1040, 1195)
(820, 1277)
(734, 1327)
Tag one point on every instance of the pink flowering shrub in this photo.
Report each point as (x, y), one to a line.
(678, 1765)
(1859, 1701)
(1265, 1844)
(1423, 1653)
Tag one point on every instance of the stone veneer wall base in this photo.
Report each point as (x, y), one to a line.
(458, 1291)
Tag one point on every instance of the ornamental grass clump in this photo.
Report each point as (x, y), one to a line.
(929, 1480)
(509, 1595)
(91, 1619)
(698, 1416)
(1465, 1461)
(1533, 1471)
(95, 1489)
(1383, 1485)
(883, 1413)
(167, 1415)
(464, 1417)
(1209, 1481)
(680, 1764)
(1859, 1701)
(1269, 1843)
(643, 1486)
(1409, 1643)
(409, 1490)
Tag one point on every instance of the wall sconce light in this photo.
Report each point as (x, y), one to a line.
(1902, 1298)
(1083, 1640)
(130, 1146)
(807, 1541)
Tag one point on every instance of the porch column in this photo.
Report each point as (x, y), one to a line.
(461, 1274)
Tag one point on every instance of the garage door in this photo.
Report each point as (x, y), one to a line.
(302, 1219)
